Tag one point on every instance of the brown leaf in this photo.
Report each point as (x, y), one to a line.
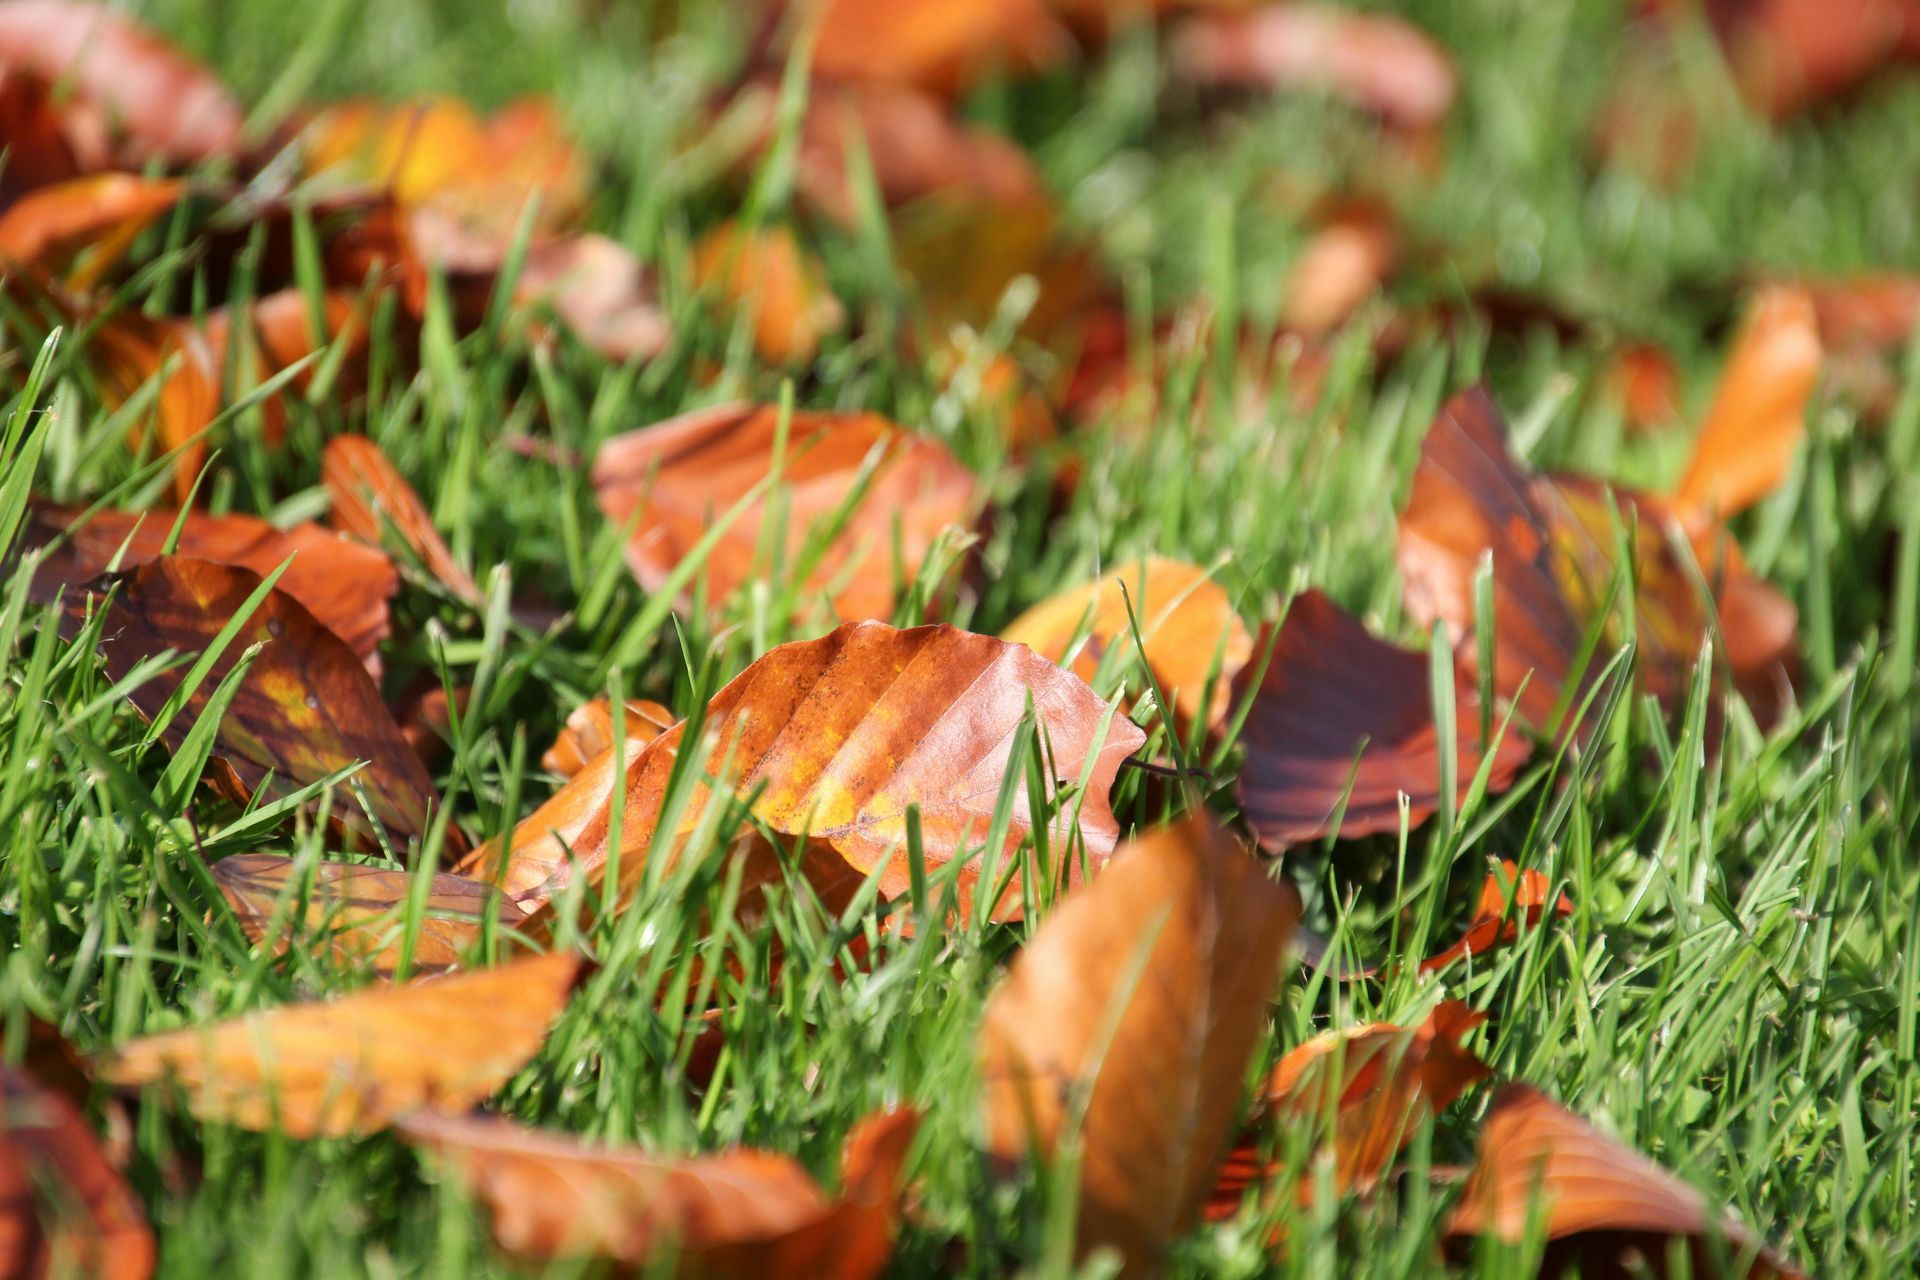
(359, 911)
(1788, 55)
(280, 333)
(1379, 1082)
(1345, 263)
(50, 229)
(39, 152)
(1758, 417)
(746, 1214)
(600, 291)
(353, 1065)
(64, 1209)
(1645, 382)
(344, 586)
(1378, 63)
(370, 496)
(777, 284)
(1876, 310)
(835, 738)
(1147, 989)
(164, 106)
(305, 709)
(1329, 688)
(674, 479)
(589, 733)
(1187, 625)
(941, 46)
(1606, 1209)
(1510, 900)
(129, 348)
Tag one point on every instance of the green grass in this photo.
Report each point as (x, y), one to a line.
(1737, 994)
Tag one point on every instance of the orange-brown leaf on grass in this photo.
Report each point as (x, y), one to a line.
(64, 1209)
(305, 709)
(1381, 64)
(1342, 265)
(600, 291)
(279, 329)
(358, 911)
(370, 496)
(130, 348)
(671, 481)
(1875, 309)
(941, 46)
(780, 286)
(749, 1214)
(354, 1064)
(79, 229)
(1605, 1209)
(835, 738)
(1341, 717)
(1188, 629)
(39, 152)
(1788, 55)
(1143, 994)
(1758, 417)
(1643, 380)
(589, 733)
(1378, 1082)
(1511, 900)
(130, 83)
(345, 586)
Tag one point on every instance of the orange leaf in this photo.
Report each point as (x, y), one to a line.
(1345, 263)
(164, 105)
(343, 585)
(305, 708)
(1329, 688)
(743, 1214)
(370, 496)
(1875, 310)
(129, 348)
(359, 911)
(39, 152)
(1187, 623)
(1147, 988)
(942, 46)
(1606, 1209)
(672, 480)
(355, 1064)
(600, 291)
(64, 1209)
(835, 738)
(1758, 417)
(589, 733)
(1645, 381)
(99, 217)
(1510, 900)
(779, 285)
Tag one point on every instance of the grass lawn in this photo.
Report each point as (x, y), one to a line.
(1736, 992)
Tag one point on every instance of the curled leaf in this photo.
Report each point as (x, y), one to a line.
(370, 496)
(130, 348)
(81, 228)
(942, 46)
(1511, 900)
(778, 285)
(1343, 264)
(64, 1208)
(589, 733)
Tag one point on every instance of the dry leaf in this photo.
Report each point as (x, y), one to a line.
(1145, 994)
(1340, 715)
(305, 708)
(1876, 310)
(781, 287)
(1645, 382)
(359, 911)
(1759, 413)
(1605, 1209)
(127, 350)
(940, 46)
(600, 291)
(126, 80)
(835, 738)
(354, 1064)
(1188, 626)
(344, 586)
(370, 496)
(745, 1214)
(99, 217)
(674, 479)
(589, 733)
(64, 1209)
(39, 152)
(1788, 55)
(1345, 263)
(1511, 900)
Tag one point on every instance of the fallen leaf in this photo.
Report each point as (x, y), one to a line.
(344, 586)
(64, 1209)
(162, 105)
(1788, 55)
(589, 733)
(370, 497)
(781, 288)
(1511, 900)
(1188, 629)
(735, 1214)
(1644, 381)
(1142, 997)
(80, 229)
(354, 1064)
(1604, 1208)
(305, 708)
(39, 152)
(1378, 63)
(1378, 1083)
(1341, 716)
(600, 291)
(358, 911)
(1342, 265)
(833, 739)
(940, 46)
(127, 350)
(1876, 310)
(1759, 412)
(674, 479)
